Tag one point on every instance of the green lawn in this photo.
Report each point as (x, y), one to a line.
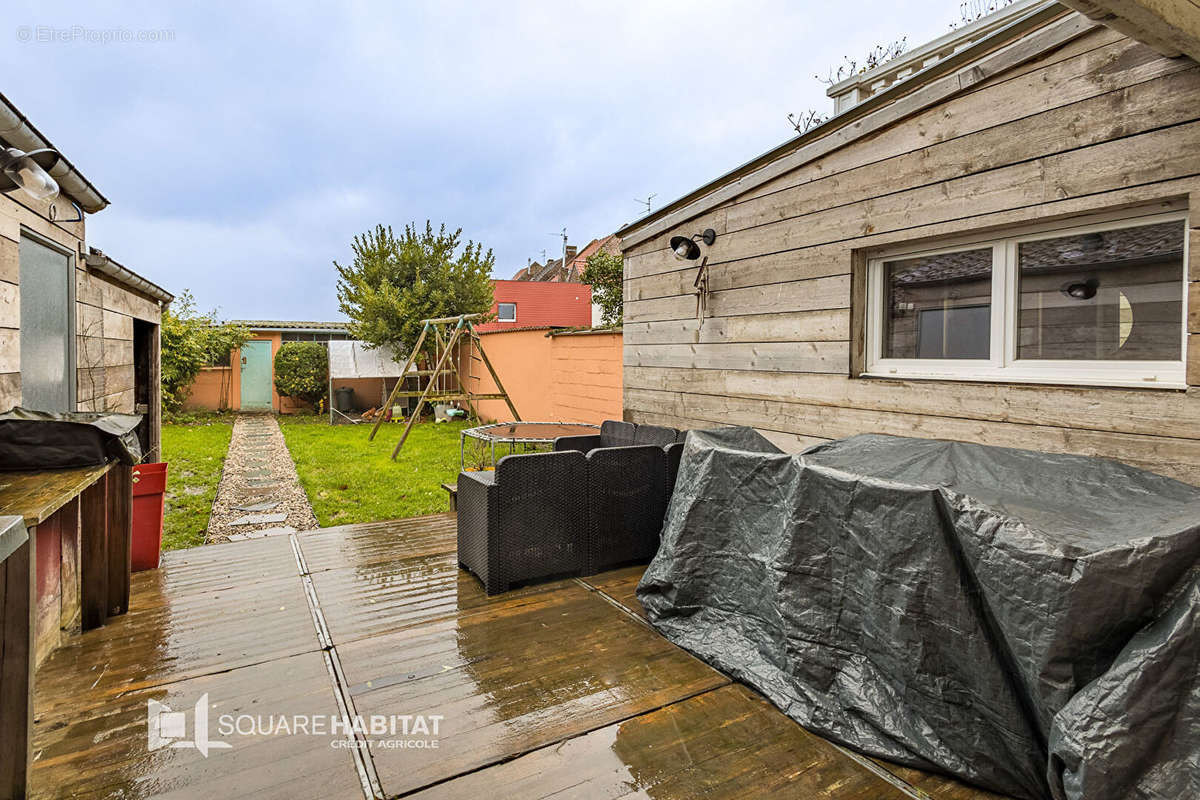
(195, 452)
(349, 479)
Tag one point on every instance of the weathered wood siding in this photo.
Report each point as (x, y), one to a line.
(104, 312)
(1101, 123)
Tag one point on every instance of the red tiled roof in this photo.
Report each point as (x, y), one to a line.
(542, 303)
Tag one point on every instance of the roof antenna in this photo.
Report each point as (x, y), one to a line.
(645, 202)
(564, 240)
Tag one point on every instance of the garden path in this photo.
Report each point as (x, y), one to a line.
(260, 494)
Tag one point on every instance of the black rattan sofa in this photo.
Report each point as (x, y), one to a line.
(594, 503)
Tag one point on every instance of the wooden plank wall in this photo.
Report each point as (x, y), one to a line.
(104, 312)
(1101, 123)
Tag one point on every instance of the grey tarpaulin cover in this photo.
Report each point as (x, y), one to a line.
(1026, 621)
(31, 440)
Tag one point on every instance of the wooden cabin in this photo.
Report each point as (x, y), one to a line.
(78, 330)
(993, 240)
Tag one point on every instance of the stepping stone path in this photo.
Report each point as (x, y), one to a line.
(259, 494)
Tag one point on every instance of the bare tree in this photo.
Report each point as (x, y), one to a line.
(807, 120)
(878, 55)
(972, 10)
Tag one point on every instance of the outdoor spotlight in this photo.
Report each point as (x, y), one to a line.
(28, 171)
(1084, 290)
(685, 247)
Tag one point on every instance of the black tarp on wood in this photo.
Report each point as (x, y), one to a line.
(33, 440)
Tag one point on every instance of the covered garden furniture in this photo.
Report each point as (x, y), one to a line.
(1027, 621)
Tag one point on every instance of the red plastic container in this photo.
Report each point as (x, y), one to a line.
(149, 486)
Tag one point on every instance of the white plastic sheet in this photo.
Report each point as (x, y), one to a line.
(353, 359)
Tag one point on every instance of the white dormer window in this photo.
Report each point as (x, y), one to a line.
(506, 312)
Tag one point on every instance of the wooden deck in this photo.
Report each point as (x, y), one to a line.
(555, 690)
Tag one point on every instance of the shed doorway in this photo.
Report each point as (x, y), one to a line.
(256, 375)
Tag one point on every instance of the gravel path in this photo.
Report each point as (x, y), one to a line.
(259, 494)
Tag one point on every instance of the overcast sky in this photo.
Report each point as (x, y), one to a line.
(244, 148)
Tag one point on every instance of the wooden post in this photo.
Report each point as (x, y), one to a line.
(447, 320)
(403, 374)
(119, 537)
(69, 537)
(93, 553)
(420, 402)
(155, 380)
(16, 667)
(462, 387)
(487, 363)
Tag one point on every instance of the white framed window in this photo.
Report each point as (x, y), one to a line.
(1090, 303)
(506, 312)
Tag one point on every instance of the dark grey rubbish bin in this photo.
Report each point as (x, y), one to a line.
(342, 397)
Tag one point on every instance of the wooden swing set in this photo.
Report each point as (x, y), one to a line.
(443, 383)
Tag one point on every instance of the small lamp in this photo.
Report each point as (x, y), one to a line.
(685, 247)
(1084, 290)
(28, 171)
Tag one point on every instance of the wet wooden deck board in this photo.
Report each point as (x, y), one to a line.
(389, 596)
(620, 585)
(356, 546)
(205, 610)
(940, 787)
(725, 743)
(102, 751)
(515, 677)
(547, 688)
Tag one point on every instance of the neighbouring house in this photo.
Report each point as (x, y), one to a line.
(993, 240)
(246, 381)
(526, 304)
(550, 374)
(78, 330)
(576, 261)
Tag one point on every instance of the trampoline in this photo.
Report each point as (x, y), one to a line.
(477, 447)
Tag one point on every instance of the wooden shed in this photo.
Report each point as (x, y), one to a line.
(78, 330)
(992, 241)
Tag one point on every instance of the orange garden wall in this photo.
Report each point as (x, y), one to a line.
(204, 397)
(550, 375)
(587, 376)
(212, 390)
(567, 376)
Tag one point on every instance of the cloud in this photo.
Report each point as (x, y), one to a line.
(243, 154)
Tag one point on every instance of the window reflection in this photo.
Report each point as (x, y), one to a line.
(939, 306)
(1108, 295)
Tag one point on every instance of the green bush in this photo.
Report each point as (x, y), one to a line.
(192, 340)
(302, 370)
